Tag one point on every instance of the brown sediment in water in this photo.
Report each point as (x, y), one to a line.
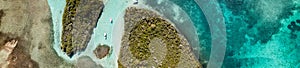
(79, 19)
(101, 51)
(151, 41)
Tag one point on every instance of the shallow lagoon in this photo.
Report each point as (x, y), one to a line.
(242, 50)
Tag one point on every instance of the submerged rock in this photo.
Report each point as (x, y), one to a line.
(298, 21)
(293, 26)
(101, 51)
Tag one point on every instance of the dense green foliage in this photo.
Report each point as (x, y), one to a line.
(69, 14)
(150, 28)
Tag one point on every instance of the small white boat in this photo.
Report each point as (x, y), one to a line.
(135, 1)
(111, 20)
(105, 36)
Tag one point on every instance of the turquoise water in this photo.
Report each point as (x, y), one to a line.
(257, 31)
(199, 21)
(113, 10)
(57, 9)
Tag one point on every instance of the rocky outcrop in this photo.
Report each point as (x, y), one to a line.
(13, 53)
(5, 51)
(101, 51)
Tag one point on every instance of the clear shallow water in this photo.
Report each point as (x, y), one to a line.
(257, 37)
(112, 10)
(248, 45)
(200, 23)
(258, 41)
(57, 9)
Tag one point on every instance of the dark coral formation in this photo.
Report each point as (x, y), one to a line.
(254, 18)
(251, 23)
(102, 51)
(79, 19)
(294, 27)
(298, 20)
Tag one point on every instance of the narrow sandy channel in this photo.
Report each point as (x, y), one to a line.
(114, 9)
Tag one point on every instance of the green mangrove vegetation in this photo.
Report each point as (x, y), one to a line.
(67, 21)
(120, 65)
(149, 28)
